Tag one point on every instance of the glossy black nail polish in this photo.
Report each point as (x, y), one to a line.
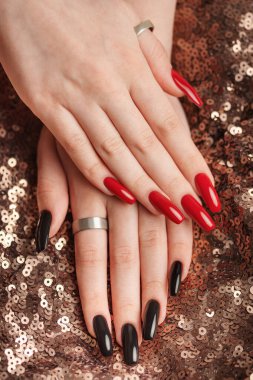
(42, 230)
(130, 344)
(175, 277)
(103, 335)
(150, 322)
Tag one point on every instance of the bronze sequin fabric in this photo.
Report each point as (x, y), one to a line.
(208, 332)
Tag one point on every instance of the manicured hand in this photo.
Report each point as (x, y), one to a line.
(148, 257)
(82, 70)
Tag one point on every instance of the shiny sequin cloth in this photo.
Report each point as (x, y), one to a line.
(208, 332)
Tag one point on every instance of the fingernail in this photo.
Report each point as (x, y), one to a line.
(150, 322)
(197, 212)
(42, 230)
(175, 277)
(164, 205)
(130, 344)
(207, 192)
(187, 89)
(121, 191)
(103, 335)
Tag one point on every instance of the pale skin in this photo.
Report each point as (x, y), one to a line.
(142, 245)
(103, 95)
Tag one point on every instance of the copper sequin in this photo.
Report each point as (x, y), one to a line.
(208, 332)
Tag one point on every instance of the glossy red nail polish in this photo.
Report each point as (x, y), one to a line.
(184, 86)
(163, 204)
(207, 192)
(121, 191)
(197, 212)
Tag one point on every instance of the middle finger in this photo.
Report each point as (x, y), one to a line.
(125, 276)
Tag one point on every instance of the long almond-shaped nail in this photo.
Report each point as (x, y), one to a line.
(197, 212)
(175, 277)
(150, 321)
(187, 89)
(207, 192)
(164, 205)
(130, 344)
(103, 335)
(42, 230)
(119, 190)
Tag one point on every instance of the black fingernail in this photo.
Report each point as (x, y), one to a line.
(130, 344)
(42, 230)
(175, 277)
(150, 322)
(103, 335)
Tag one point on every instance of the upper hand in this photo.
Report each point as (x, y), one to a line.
(83, 72)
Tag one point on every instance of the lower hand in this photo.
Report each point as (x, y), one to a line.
(145, 252)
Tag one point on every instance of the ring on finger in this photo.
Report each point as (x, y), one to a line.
(94, 222)
(142, 26)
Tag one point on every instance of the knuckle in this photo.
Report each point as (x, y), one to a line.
(174, 184)
(146, 141)
(91, 297)
(168, 125)
(150, 238)
(40, 104)
(141, 182)
(154, 285)
(123, 255)
(195, 159)
(109, 90)
(157, 51)
(93, 170)
(44, 194)
(112, 146)
(75, 143)
(88, 255)
(127, 305)
(46, 187)
(180, 247)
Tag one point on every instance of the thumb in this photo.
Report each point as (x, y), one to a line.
(159, 62)
(52, 190)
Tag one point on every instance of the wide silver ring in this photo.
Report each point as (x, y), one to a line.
(94, 222)
(147, 24)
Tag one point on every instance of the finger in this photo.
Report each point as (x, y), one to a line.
(169, 129)
(125, 277)
(154, 283)
(149, 151)
(204, 182)
(52, 190)
(178, 109)
(161, 168)
(180, 241)
(159, 61)
(79, 148)
(116, 154)
(91, 257)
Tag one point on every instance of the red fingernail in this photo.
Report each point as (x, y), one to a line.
(207, 192)
(121, 191)
(187, 89)
(163, 204)
(197, 212)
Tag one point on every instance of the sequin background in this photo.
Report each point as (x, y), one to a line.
(208, 332)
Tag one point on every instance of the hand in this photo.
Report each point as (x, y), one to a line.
(140, 245)
(94, 88)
